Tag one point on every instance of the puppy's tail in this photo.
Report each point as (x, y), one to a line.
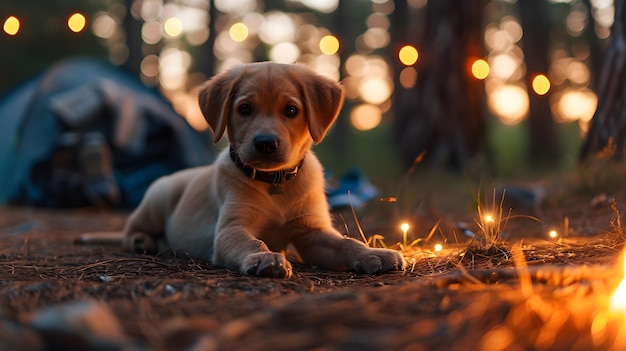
(100, 238)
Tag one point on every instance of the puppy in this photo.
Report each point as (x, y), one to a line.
(264, 192)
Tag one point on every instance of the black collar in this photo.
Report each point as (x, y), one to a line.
(277, 177)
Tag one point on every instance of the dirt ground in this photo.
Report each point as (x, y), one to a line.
(535, 294)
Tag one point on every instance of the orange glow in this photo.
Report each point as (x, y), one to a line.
(76, 22)
(238, 32)
(541, 84)
(553, 234)
(438, 247)
(329, 45)
(408, 55)
(619, 297)
(480, 69)
(11, 25)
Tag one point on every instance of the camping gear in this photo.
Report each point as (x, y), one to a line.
(87, 133)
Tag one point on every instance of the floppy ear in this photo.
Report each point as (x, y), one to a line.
(323, 99)
(216, 100)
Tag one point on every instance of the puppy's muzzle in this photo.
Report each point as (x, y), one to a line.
(265, 144)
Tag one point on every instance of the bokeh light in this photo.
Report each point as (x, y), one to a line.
(150, 66)
(103, 25)
(284, 53)
(11, 25)
(512, 27)
(238, 32)
(480, 69)
(408, 77)
(76, 22)
(376, 38)
(329, 45)
(408, 55)
(540, 84)
(235, 8)
(356, 65)
(173, 27)
(375, 89)
(509, 103)
(278, 27)
(504, 66)
(325, 6)
(575, 104)
(365, 117)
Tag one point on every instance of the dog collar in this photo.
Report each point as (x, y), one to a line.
(277, 177)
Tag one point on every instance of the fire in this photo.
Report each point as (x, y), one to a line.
(618, 302)
(553, 234)
(438, 247)
(489, 219)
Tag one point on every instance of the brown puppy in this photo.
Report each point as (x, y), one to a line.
(267, 190)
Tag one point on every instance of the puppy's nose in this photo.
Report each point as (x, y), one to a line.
(265, 143)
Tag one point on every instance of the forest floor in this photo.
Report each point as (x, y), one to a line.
(529, 292)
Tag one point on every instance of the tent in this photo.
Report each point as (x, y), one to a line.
(82, 105)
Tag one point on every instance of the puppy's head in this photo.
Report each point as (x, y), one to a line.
(271, 112)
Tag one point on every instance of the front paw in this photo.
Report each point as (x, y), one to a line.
(267, 264)
(375, 261)
(140, 243)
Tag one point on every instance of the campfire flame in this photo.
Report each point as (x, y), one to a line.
(618, 302)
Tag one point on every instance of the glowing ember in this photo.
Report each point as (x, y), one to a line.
(438, 247)
(619, 298)
(489, 219)
(404, 227)
(553, 234)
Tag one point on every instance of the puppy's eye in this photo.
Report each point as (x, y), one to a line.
(245, 109)
(291, 111)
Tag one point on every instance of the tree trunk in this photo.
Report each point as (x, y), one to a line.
(543, 142)
(443, 116)
(608, 126)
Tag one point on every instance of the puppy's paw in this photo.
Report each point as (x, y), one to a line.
(140, 243)
(375, 261)
(267, 264)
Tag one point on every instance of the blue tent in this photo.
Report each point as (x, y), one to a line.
(79, 97)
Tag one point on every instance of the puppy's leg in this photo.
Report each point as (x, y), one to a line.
(330, 250)
(146, 225)
(236, 248)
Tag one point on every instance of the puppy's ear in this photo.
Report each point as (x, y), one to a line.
(216, 100)
(323, 99)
